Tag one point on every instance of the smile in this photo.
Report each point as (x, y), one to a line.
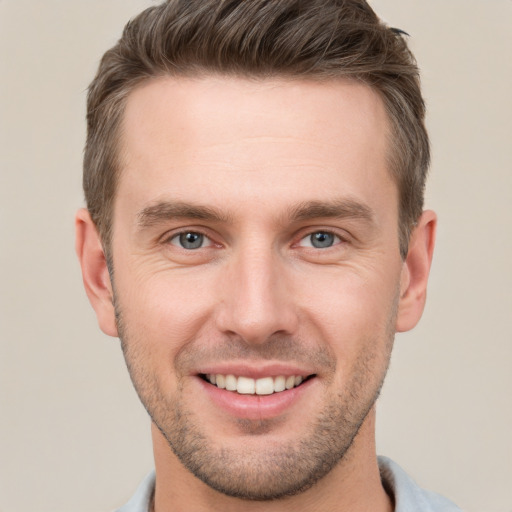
(248, 386)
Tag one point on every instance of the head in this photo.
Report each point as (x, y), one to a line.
(254, 177)
(316, 39)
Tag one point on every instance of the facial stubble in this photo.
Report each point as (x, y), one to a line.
(273, 470)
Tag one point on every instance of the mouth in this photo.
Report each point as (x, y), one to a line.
(248, 386)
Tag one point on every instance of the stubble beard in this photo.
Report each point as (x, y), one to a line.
(271, 472)
(282, 470)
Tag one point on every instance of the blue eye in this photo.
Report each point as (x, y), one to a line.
(320, 240)
(190, 240)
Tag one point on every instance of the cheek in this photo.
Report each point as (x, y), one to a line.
(164, 307)
(356, 322)
(160, 316)
(351, 310)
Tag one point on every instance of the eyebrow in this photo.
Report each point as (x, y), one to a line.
(335, 209)
(166, 210)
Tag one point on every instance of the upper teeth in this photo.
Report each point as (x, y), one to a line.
(248, 386)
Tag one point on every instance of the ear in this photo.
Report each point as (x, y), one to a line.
(95, 272)
(415, 271)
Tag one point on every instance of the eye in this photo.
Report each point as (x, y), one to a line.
(190, 240)
(320, 240)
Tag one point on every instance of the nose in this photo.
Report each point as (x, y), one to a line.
(256, 299)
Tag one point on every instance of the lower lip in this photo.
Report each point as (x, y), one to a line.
(255, 407)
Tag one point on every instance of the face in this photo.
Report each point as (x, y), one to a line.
(256, 272)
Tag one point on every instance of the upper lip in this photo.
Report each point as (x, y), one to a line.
(255, 371)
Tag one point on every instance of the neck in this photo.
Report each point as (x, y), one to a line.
(353, 485)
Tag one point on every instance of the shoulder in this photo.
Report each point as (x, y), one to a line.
(140, 500)
(407, 494)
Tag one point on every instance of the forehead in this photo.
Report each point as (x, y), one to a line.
(195, 107)
(272, 137)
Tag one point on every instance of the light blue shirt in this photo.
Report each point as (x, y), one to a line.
(408, 496)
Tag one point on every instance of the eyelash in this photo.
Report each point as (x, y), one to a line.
(180, 234)
(337, 239)
(332, 237)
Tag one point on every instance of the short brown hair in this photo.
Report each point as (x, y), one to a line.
(311, 39)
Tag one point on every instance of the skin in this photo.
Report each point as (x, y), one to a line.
(256, 168)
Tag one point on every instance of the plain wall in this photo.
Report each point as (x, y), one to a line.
(73, 435)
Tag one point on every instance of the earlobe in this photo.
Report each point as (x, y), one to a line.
(415, 272)
(95, 273)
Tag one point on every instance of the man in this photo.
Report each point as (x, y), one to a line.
(255, 235)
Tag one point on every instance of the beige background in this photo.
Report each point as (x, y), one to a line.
(73, 436)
